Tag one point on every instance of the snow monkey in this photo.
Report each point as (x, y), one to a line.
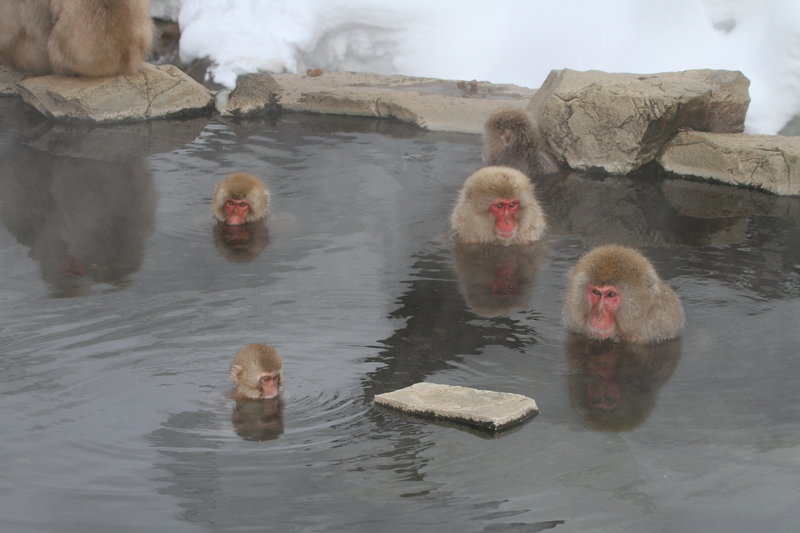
(257, 373)
(497, 205)
(75, 37)
(613, 292)
(240, 198)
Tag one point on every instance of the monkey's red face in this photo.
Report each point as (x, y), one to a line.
(269, 385)
(604, 302)
(236, 211)
(505, 216)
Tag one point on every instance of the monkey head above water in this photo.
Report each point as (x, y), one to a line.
(257, 373)
(614, 293)
(497, 205)
(240, 198)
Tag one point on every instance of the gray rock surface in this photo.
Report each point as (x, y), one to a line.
(488, 410)
(441, 105)
(619, 122)
(254, 94)
(8, 81)
(152, 93)
(770, 162)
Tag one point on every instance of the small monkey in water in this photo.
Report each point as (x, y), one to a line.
(257, 373)
(510, 139)
(497, 205)
(75, 37)
(240, 198)
(614, 293)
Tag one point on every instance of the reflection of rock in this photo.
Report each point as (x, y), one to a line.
(84, 220)
(258, 419)
(649, 211)
(497, 280)
(115, 142)
(613, 386)
(241, 244)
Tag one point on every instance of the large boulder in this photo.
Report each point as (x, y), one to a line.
(153, 92)
(769, 162)
(619, 122)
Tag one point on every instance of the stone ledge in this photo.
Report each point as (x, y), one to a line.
(440, 105)
(487, 410)
(769, 162)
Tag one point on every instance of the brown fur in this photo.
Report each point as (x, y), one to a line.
(248, 364)
(510, 139)
(473, 222)
(242, 186)
(650, 311)
(75, 37)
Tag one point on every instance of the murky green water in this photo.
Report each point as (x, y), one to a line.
(122, 308)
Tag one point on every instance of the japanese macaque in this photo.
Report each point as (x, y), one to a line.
(510, 139)
(257, 373)
(614, 293)
(497, 205)
(75, 37)
(240, 198)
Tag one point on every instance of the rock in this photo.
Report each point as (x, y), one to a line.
(487, 410)
(8, 81)
(440, 105)
(619, 122)
(153, 92)
(770, 162)
(255, 94)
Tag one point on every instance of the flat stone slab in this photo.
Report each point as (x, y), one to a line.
(484, 409)
(439, 105)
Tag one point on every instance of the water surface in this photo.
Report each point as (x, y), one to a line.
(122, 308)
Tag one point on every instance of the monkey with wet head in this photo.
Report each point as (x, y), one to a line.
(240, 198)
(497, 205)
(257, 373)
(614, 293)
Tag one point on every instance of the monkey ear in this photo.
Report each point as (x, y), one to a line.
(236, 370)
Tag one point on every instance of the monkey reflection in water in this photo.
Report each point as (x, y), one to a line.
(497, 280)
(240, 205)
(613, 385)
(257, 375)
(84, 220)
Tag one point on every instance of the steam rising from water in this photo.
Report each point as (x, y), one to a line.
(511, 41)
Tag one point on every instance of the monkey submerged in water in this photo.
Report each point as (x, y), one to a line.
(240, 198)
(75, 37)
(257, 373)
(614, 293)
(497, 205)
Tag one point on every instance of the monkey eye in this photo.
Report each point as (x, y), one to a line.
(611, 294)
(512, 204)
(596, 292)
